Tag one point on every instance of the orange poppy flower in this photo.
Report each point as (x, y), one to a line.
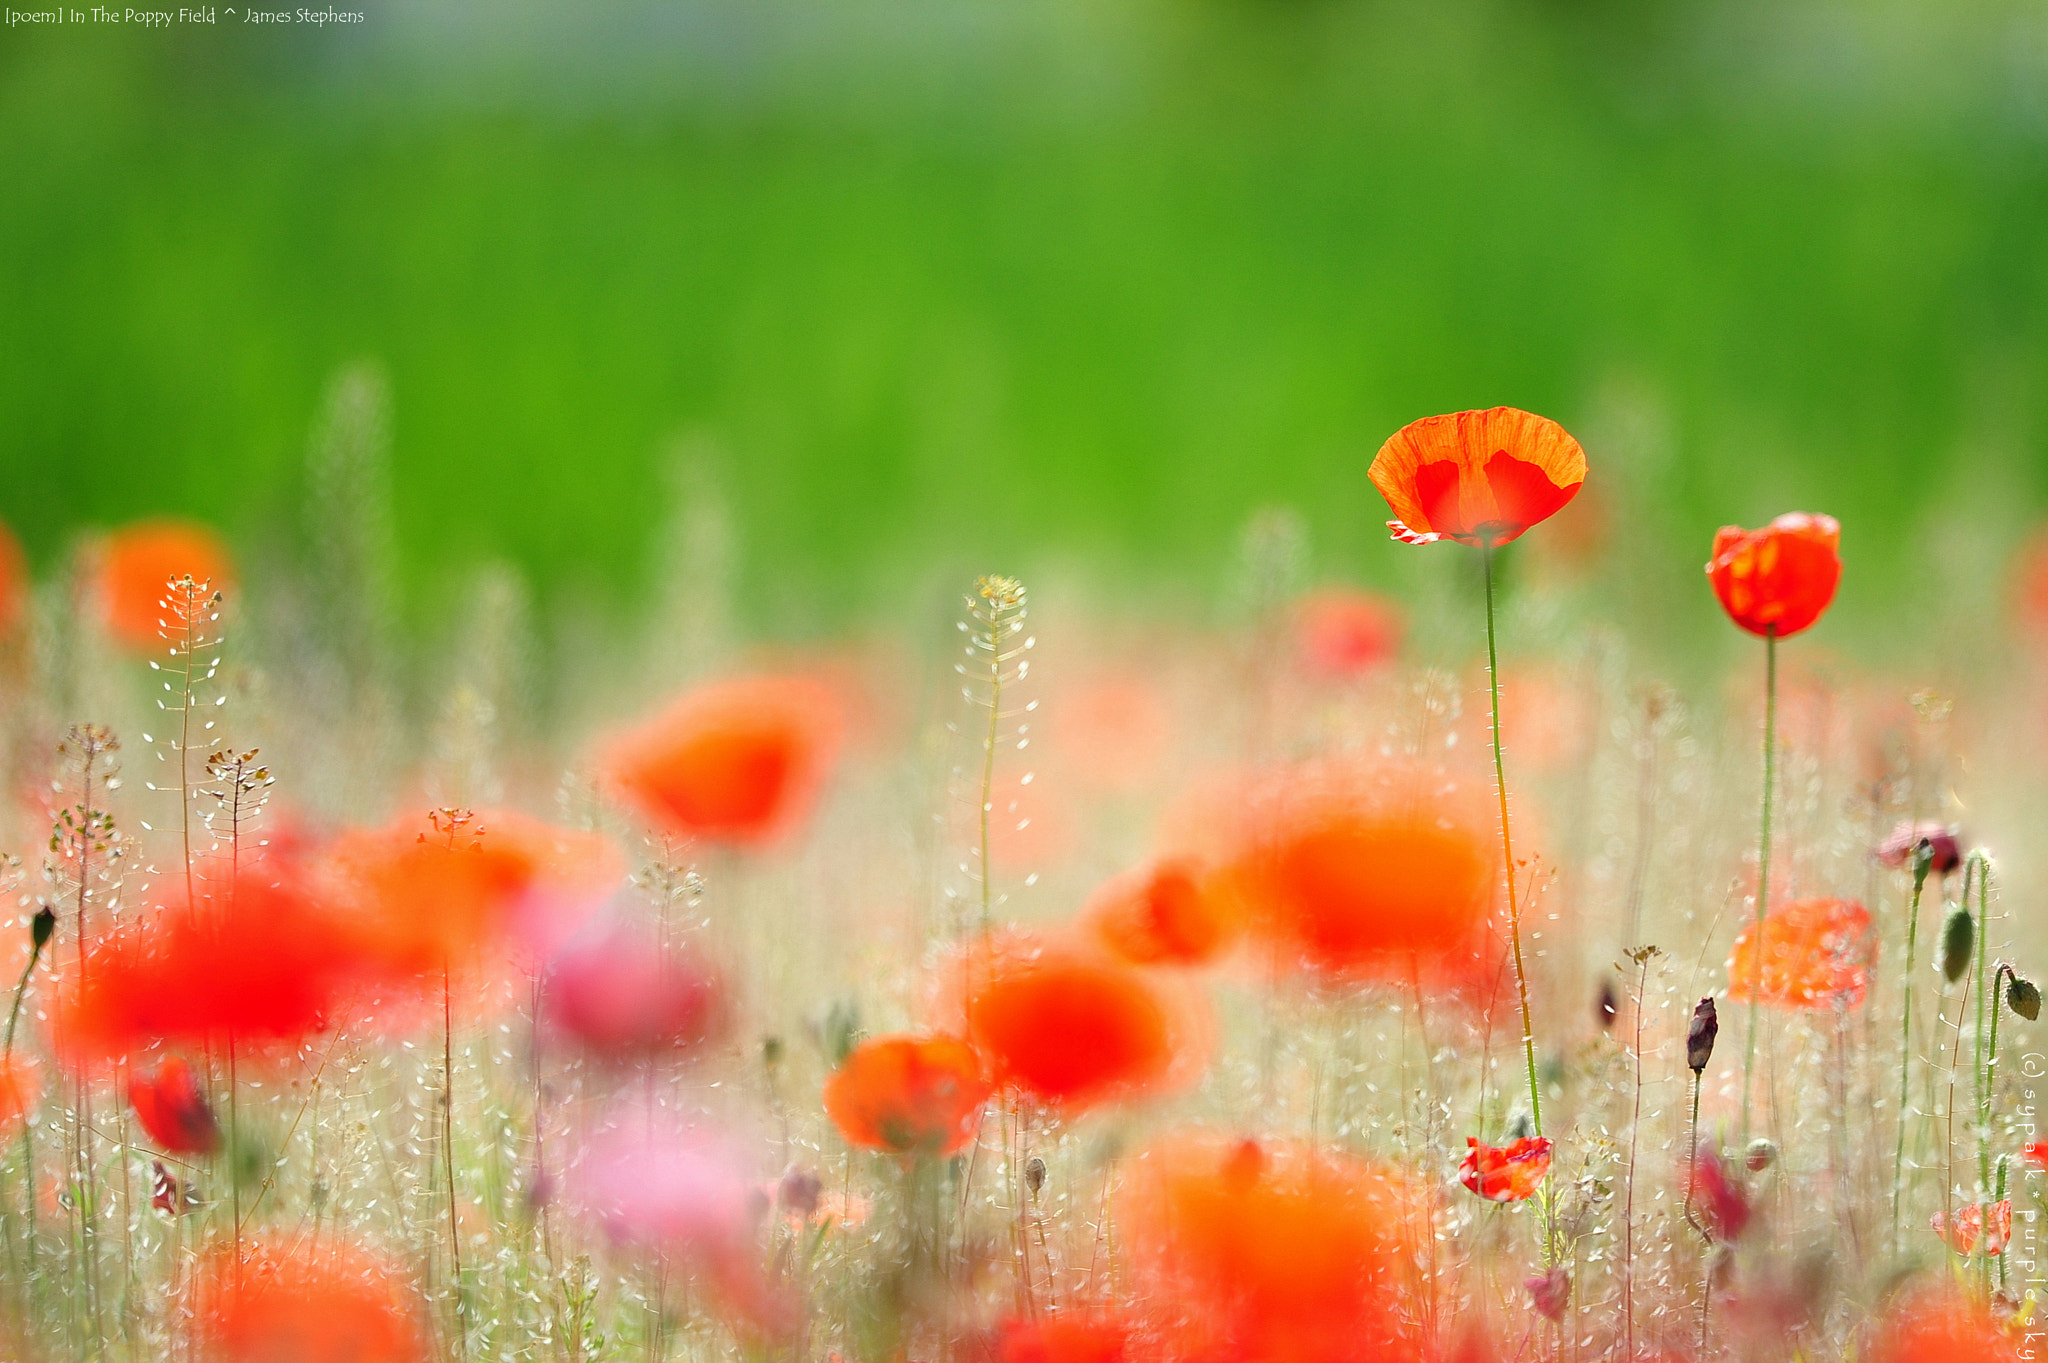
(1777, 580)
(1938, 1327)
(1961, 1233)
(2036, 1154)
(1476, 477)
(1816, 953)
(138, 563)
(325, 1304)
(14, 582)
(1340, 632)
(173, 1111)
(1506, 1173)
(21, 1088)
(1067, 1337)
(1271, 1253)
(908, 1095)
(1161, 914)
(737, 761)
(1364, 885)
(1075, 1028)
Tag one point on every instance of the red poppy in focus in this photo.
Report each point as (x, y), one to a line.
(173, 1111)
(737, 761)
(619, 993)
(1478, 477)
(1066, 1337)
(1777, 580)
(1344, 633)
(267, 964)
(1722, 1203)
(1272, 1253)
(14, 581)
(1360, 886)
(1961, 1233)
(138, 563)
(1161, 914)
(1074, 1028)
(324, 1304)
(1938, 1327)
(1506, 1173)
(908, 1095)
(1816, 953)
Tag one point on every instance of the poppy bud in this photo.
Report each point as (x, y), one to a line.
(42, 927)
(1699, 1038)
(1034, 1174)
(2023, 997)
(1762, 1153)
(1958, 936)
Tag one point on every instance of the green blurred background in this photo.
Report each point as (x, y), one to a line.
(933, 286)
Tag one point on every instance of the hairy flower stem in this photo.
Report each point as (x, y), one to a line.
(1763, 860)
(1628, 1213)
(1987, 1000)
(1920, 869)
(448, 1150)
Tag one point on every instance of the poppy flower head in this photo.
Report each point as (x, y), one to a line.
(1067, 1337)
(1778, 580)
(2036, 1154)
(1480, 477)
(138, 563)
(326, 1303)
(1945, 850)
(1963, 1229)
(908, 1095)
(1815, 953)
(737, 761)
(14, 582)
(1075, 1028)
(172, 1109)
(1340, 632)
(1936, 1326)
(1271, 1251)
(1507, 1173)
(1161, 914)
(1722, 1203)
(619, 993)
(21, 1088)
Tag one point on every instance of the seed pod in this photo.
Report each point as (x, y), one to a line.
(1699, 1038)
(1762, 1153)
(42, 926)
(1034, 1174)
(2023, 997)
(1958, 936)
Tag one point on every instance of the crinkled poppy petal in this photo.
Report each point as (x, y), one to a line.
(1508, 1173)
(1780, 579)
(1478, 476)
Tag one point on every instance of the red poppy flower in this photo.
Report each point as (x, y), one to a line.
(20, 1090)
(1365, 885)
(14, 582)
(1476, 477)
(1068, 1337)
(737, 761)
(1945, 850)
(1720, 1200)
(1506, 1173)
(2036, 1154)
(173, 1111)
(1345, 633)
(1076, 1029)
(618, 993)
(1816, 953)
(1934, 1326)
(326, 1303)
(1779, 579)
(1961, 1233)
(137, 565)
(1161, 914)
(908, 1095)
(1272, 1252)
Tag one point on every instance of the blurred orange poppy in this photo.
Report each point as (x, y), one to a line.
(172, 1110)
(21, 1088)
(1506, 1173)
(137, 564)
(326, 1303)
(1777, 580)
(736, 761)
(1480, 477)
(1066, 1337)
(1815, 953)
(908, 1095)
(1938, 1326)
(1161, 914)
(1076, 1028)
(1342, 632)
(1271, 1252)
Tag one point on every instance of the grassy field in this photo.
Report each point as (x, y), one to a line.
(939, 288)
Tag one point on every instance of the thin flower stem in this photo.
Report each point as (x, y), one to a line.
(1986, 1000)
(1906, 1046)
(1763, 859)
(448, 1150)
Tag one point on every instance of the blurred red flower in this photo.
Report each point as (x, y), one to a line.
(1506, 1173)
(1935, 1326)
(138, 563)
(14, 581)
(1723, 1205)
(909, 1095)
(1161, 914)
(619, 993)
(326, 1303)
(736, 761)
(1961, 1233)
(1342, 632)
(1066, 1337)
(21, 1088)
(1476, 477)
(1075, 1028)
(1816, 953)
(1271, 1253)
(1944, 848)
(173, 1110)
(2036, 1154)
(1779, 579)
